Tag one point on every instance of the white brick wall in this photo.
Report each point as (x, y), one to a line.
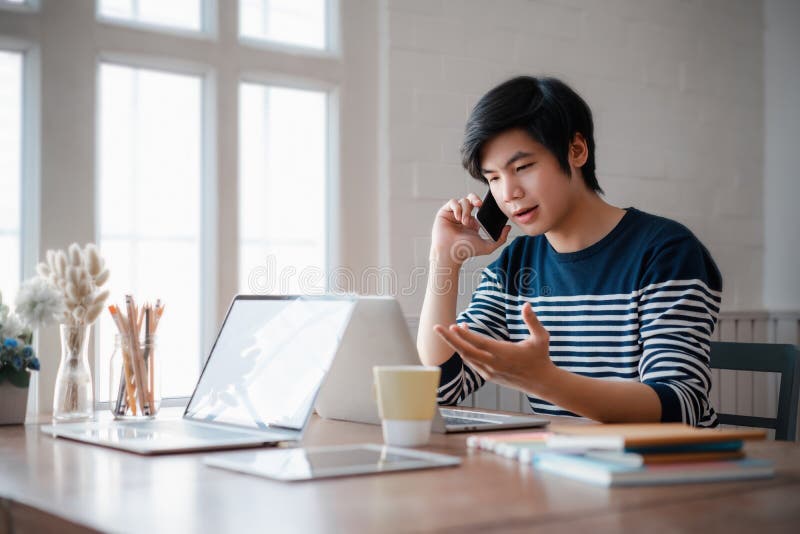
(781, 183)
(675, 85)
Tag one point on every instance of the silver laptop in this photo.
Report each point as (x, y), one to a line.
(378, 335)
(258, 385)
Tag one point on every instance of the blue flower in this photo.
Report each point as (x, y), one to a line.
(27, 352)
(16, 362)
(10, 343)
(34, 364)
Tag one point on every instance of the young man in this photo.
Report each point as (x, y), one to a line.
(596, 311)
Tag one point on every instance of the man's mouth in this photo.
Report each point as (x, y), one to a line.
(524, 211)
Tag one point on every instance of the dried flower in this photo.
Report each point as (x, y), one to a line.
(78, 274)
(12, 327)
(39, 304)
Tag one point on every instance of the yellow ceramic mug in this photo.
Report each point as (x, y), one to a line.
(406, 396)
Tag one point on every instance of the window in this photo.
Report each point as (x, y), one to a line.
(283, 172)
(182, 14)
(292, 22)
(149, 207)
(10, 172)
(159, 191)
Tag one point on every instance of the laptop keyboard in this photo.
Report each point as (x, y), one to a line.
(458, 417)
(464, 421)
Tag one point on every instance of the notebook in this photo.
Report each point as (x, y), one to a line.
(643, 436)
(522, 446)
(602, 473)
(258, 385)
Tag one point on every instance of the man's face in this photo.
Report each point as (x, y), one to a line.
(527, 182)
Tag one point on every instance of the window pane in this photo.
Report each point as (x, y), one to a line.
(282, 190)
(184, 14)
(293, 22)
(10, 172)
(150, 196)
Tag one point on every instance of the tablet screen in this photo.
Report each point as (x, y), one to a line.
(323, 462)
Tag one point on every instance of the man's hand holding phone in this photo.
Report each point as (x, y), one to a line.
(456, 232)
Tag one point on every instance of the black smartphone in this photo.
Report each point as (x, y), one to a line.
(491, 217)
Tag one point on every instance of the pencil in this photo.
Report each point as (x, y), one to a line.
(148, 356)
(159, 313)
(139, 318)
(127, 352)
(127, 375)
(138, 362)
(122, 392)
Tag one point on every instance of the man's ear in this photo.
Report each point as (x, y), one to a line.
(578, 151)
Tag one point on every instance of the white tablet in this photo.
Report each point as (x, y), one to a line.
(324, 462)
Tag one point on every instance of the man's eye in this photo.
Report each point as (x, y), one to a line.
(523, 167)
(491, 178)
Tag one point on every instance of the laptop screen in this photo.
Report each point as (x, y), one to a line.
(269, 361)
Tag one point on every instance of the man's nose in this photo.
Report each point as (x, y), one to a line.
(511, 190)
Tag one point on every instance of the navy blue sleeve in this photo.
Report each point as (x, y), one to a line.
(485, 315)
(679, 301)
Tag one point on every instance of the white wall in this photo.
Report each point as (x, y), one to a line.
(781, 169)
(675, 87)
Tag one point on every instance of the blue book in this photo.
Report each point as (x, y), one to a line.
(604, 473)
(721, 446)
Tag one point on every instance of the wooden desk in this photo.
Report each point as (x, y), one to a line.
(58, 485)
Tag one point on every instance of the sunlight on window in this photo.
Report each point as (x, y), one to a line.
(282, 190)
(10, 172)
(183, 14)
(292, 22)
(149, 210)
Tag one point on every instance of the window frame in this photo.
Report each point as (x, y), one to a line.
(69, 142)
(208, 287)
(30, 197)
(27, 6)
(208, 23)
(332, 148)
(18, 49)
(333, 45)
(212, 271)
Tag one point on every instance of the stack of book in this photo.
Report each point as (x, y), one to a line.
(633, 454)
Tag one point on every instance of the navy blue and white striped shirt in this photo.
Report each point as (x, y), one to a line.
(640, 304)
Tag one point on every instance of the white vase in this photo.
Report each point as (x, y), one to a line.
(74, 396)
(13, 404)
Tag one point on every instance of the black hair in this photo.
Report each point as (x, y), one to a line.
(546, 108)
